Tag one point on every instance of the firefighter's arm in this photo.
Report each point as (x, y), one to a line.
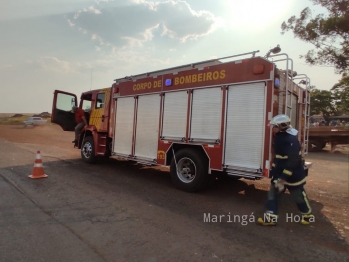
(291, 162)
(272, 164)
(85, 121)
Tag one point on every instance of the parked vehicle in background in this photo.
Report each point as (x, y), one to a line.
(336, 133)
(34, 121)
(319, 136)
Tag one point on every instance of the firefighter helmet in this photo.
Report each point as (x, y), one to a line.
(282, 121)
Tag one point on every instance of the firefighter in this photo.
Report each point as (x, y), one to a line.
(287, 172)
(80, 120)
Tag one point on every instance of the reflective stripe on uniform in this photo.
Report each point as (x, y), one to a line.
(287, 172)
(295, 184)
(306, 201)
(281, 157)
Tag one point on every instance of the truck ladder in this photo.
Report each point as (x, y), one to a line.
(305, 80)
(288, 78)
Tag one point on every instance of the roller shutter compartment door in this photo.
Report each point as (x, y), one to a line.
(206, 114)
(175, 115)
(123, 125)
(245, 125)
(147, 130)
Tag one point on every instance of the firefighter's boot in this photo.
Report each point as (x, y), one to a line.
(307, 219)
(268, 219)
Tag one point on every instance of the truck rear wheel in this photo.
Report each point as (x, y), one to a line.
(88, 150)
(189, 170)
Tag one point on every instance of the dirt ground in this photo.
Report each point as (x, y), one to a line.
(327, 189)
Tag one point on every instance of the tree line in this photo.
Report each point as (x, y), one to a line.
(329, 34)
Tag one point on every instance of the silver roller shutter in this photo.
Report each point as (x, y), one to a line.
(245, 126)
(147, 132)
(206, 114)
(122, 142)
(175, 115)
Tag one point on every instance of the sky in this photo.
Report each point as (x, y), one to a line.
(79, 45)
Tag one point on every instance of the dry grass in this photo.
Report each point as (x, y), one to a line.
(8, 119)
(4, 115)
(13, 120)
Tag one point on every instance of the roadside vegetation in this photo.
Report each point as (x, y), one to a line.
(13, 120)
(17, 119)
(329, 35)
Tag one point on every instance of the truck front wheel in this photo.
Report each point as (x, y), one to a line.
(88, 150)
(189, 170)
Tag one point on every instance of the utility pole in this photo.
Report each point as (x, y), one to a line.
(91, 78)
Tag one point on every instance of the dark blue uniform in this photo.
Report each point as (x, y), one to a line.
(288, 166)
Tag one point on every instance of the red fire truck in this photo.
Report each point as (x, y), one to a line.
(200, 119)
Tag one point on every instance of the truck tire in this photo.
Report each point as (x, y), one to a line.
(315, 146)
(88, 150)
(191, 172)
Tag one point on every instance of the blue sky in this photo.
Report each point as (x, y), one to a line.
(76, 45)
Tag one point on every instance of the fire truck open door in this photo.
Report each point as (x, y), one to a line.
(61, 110)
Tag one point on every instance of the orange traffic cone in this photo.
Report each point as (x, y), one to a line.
(38, 170)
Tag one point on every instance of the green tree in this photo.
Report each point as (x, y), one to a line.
(340, 95)
(329, 34)
(331, 102)
(321, 102)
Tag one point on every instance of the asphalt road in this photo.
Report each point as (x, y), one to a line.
(121, 211)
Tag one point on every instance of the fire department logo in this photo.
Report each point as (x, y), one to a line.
(161, 154)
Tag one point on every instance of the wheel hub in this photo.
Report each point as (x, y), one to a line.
(87, 150)
(186, 170)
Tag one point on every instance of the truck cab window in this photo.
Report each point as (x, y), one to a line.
(86, 105)
(100, 100)
(64, 102)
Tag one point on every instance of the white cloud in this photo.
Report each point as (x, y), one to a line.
(92, 9)
(137, 22)
(82, 30)
(50, 63)
(145, 36)
(70, 23)
(77, 14)
(100, 1)
(54, 64)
